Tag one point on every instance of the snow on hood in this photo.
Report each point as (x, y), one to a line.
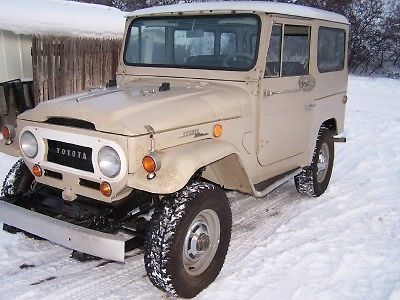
(62, 18)
(127, 111)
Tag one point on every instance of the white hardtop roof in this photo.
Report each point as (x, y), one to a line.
(257, 6)
(62, 18)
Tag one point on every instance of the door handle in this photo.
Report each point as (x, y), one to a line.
(306, 83)
(271, 93)
(309, 106)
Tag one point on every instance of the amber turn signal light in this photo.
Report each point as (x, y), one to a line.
(5, 131)
(37, 170)
(149, 164)
(217, 131)
(105, 189)
(8, 133)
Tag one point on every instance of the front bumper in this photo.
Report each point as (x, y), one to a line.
(104, 245)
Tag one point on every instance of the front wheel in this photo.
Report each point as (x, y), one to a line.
(314, 179)
(187, 239)
(19, 180)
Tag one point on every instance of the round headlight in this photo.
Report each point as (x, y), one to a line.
(109, 162)
(29, 144)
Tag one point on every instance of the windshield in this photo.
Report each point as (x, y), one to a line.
(222, 42)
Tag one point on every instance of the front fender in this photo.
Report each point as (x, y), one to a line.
(179, 164)
(12, 149)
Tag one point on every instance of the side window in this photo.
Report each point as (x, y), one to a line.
(331, 49)
(228, 43)
(296, 50)
(273, 67)
(290, 55)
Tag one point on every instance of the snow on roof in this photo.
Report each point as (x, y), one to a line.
(268, 7)
(62, 18)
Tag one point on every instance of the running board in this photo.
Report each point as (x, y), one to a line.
(273, 184)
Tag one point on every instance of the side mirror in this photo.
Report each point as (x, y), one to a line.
(306, 83)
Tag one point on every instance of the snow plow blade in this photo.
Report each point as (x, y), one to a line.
(104, 245)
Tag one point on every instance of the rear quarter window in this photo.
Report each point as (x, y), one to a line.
(331, 49)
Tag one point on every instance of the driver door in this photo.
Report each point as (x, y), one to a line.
(286, 102)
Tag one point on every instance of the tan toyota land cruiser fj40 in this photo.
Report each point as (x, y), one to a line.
(210, 97)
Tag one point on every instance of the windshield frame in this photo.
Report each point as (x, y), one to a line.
(188, 67)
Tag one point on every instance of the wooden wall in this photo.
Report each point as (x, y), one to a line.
(64, 65)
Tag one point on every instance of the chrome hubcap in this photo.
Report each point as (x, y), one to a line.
(201, 242)
(323, 162)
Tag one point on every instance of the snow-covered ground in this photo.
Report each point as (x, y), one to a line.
(343, 245)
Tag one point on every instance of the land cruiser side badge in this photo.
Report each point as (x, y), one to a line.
(195, 132)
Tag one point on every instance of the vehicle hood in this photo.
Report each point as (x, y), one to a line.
(128, 109)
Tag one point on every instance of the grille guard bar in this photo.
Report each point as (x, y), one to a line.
(96, 243)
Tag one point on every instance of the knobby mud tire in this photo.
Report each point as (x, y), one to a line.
(166, 234)
(306, 182)
(18, 181)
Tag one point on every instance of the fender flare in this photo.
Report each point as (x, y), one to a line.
(179, 163)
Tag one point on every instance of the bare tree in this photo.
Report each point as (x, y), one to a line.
(393, 32)
(125, 5)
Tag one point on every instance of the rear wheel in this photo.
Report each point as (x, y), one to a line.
(19, 180)
(314, 179)
(187, 239)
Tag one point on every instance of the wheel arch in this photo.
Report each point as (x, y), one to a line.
(331, 124)
(220, 159)
(229, 173)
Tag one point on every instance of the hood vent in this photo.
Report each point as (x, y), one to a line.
(71, 123)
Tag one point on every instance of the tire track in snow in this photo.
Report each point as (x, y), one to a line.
(255, 218)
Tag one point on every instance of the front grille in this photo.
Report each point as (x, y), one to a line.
(70, 155)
